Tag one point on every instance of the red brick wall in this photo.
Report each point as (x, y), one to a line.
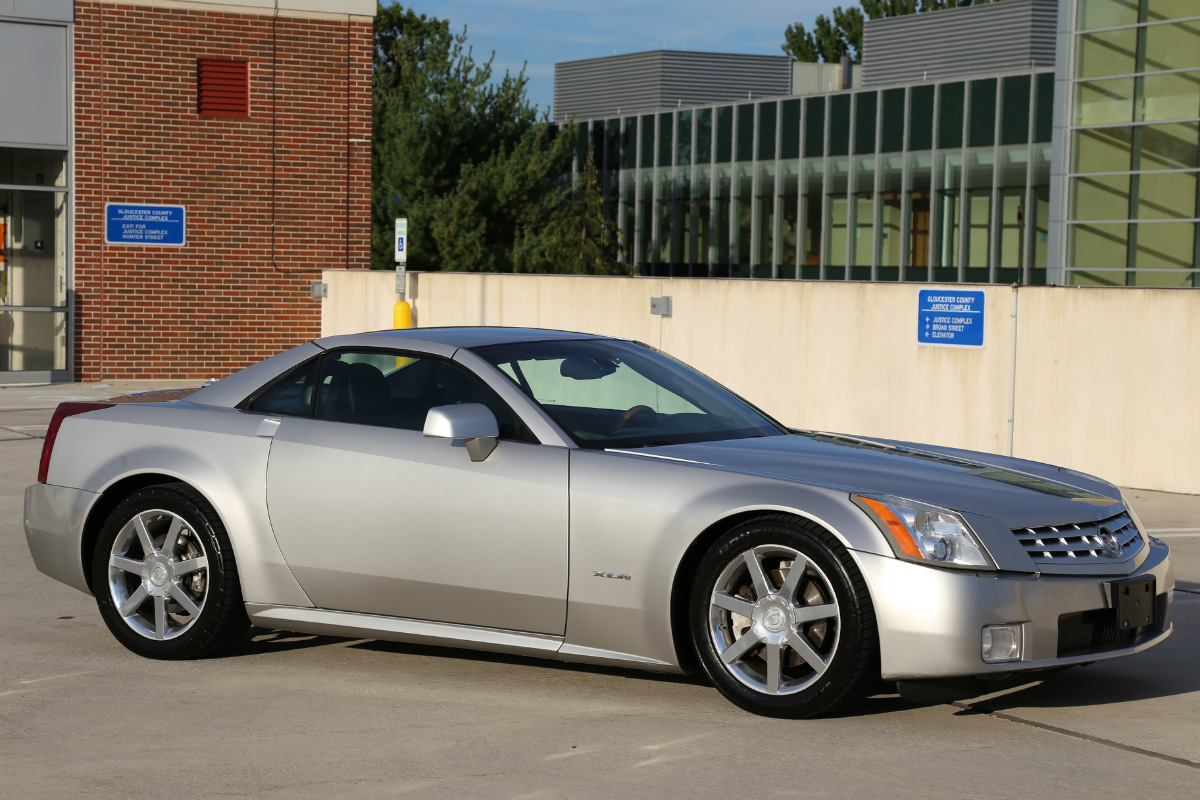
(271, 200)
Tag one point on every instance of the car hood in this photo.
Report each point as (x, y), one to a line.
(1019, 492)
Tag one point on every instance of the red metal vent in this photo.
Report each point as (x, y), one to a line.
(222, 88)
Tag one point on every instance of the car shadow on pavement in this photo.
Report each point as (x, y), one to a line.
(258, 641)
(1098, 684)
(377, 645)
(882, 700)
(1101, 683)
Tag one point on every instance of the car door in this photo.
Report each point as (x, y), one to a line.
(374, 517)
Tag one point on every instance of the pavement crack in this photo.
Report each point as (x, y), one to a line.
(1087, 737)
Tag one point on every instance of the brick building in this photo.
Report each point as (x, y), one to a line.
(174, 175)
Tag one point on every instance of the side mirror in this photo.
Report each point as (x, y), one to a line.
(472, 422)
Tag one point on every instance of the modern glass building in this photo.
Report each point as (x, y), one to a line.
(959, 179)
(1129, 138)
(946, 181)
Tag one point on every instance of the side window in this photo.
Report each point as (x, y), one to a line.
(292, 395)
(375, 388)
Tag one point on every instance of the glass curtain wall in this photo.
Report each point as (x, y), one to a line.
(33, 262)
(939, 182)
(1134, 151)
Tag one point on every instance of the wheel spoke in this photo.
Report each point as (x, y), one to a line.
(772, 654)
(739, 648)
(172, 539)
(733, 604)
(807, 614)
(139, 524)
(796, 574)
(811, 657)
(190, 565)
(136, 599)
(126, 564)
(160, 617)
(184, 599)
(761, 585)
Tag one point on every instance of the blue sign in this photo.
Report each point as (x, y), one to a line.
(950, 317)
(136, 223)
(401, 235)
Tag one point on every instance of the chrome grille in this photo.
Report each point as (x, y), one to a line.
(1079, 543)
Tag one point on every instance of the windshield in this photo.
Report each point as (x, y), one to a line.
(615, 394)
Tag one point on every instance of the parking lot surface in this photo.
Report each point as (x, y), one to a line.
(307, 716)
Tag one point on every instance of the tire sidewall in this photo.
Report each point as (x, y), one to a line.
(841, 680)
(201, 634)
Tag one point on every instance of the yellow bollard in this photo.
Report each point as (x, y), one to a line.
(401, 319)
(402, 315)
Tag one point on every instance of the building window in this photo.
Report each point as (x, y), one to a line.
(1133, 217)
(33, 263)
(222, 88)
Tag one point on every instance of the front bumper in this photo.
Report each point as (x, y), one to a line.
(931, 620)
(54, 519)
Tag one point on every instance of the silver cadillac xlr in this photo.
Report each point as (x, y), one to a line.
(588, 499)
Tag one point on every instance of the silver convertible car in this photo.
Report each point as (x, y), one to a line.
(588, 499)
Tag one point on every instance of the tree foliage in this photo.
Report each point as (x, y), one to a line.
(463, 156)
(581, 237)
(841, 35)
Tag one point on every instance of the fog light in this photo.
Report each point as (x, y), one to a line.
(1001, 643)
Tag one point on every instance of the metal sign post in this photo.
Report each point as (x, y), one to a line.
(401, 254)
(402, 312)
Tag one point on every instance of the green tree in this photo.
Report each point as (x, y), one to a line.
(579, 237)
(500, 203)
(448, 139)
(840, 36)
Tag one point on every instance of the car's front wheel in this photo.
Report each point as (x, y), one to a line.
(164, 575)
(782, 620)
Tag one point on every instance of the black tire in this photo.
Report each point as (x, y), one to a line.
(175, 606)
(825, 655)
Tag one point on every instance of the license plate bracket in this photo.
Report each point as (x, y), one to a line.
(1133, 602)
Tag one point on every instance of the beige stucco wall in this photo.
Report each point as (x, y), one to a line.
(1106, 381)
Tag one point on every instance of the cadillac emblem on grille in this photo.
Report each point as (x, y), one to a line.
(1111, 546)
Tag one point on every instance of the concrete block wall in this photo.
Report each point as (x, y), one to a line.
(1100, 380)
(272, 199)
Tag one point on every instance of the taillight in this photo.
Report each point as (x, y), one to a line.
(63, 411)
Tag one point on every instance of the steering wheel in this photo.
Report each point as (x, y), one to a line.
(645, 415)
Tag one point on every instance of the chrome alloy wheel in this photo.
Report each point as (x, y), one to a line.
(158, 574)
(774, 620)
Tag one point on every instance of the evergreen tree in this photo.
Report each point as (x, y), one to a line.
(500, 204)
(840, 36)
(447, 138)
(580, 237)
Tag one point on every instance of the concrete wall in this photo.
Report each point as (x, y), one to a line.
(1101, 380)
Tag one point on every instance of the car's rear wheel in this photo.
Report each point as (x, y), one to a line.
(782, 620)
(164, 575)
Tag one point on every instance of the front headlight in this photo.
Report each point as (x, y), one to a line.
(925, 533)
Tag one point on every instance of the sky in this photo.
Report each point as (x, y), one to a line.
(540, 33)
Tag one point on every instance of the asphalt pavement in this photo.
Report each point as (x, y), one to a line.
(311, 716)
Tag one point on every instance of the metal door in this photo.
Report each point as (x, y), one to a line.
(385, 521)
